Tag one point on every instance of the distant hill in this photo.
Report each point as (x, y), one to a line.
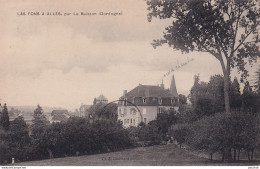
(27, 112)
(30, 109)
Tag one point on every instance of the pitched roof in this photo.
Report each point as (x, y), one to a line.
(55, 112)
(148, 91)
(173, 89)
(59, 117)
(101, 97)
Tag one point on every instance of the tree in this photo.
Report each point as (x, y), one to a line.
(249, 99)
(257, 88)
(257, 81)
(207, 98)
(40, 122)
(227, 30)
(4, 119)
(180, 133)
(235, 95)
(18, 139)
(38, 129)
(216, 92)
(182, 102)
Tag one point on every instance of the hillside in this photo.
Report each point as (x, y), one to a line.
(161, 155)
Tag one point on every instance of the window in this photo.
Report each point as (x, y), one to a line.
(160, 101)
(145, 120)
(133, 111)
(131, 121)
(134, 121)
(159, 110)
(125, 113)
(144, 110)
(172, 101)
(144, 100)
(120, 113)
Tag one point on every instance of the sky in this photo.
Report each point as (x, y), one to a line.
(66, 61)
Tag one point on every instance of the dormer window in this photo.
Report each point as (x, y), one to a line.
(172, 101)
(160, 101)
(144, 100)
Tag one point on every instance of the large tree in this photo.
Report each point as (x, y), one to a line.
(4, 118)
(226, 29)
(235, 95)
(39, 121)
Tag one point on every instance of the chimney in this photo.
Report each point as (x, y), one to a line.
(162, 85)
(124, 93)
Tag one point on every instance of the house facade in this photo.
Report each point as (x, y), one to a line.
(58, 116)
(144, 102)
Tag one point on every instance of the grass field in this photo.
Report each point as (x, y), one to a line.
(162, 155)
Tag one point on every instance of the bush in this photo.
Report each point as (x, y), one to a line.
(225, 132)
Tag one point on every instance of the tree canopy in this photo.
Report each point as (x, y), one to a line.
(226, 29)
(4, 119)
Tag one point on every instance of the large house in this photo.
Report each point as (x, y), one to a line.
(59, 116)
(143, 103)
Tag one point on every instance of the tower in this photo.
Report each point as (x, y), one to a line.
(173, 89)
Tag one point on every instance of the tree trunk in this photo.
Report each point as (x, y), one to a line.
(228, 155)
(234, 154)
(252, 154)
(226, 73)
(211, 156)
(226, 91)
(238, 155)
(50, 153)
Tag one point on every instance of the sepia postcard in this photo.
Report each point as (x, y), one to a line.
(129, 83)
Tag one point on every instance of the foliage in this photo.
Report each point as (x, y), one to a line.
(104, 111)
(257, 81)
(180, 133)
(235, 95)
(227, 30)
(165, 120)
(207, 98)
(182, 102)
(4, 119)
(18, 139)
(223, 132)
(250, 99)
(40, 122)
(80, 136)
(4, 147)
(38, 127)
(150, 132)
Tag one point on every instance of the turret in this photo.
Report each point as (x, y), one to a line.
(173, 89)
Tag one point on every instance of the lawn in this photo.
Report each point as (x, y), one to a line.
(162, 155)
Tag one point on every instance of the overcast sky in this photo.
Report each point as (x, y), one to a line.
(65, 61)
